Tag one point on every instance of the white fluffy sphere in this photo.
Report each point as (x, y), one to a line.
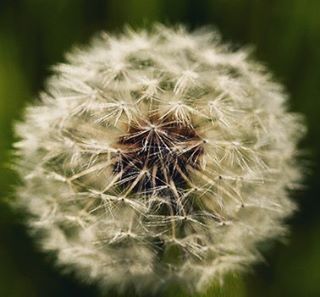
(158, 156)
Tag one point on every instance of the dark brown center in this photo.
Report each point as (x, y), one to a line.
(156, 157)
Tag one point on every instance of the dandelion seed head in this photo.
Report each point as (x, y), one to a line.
(158, 156)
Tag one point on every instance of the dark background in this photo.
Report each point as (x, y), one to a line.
(34, 34)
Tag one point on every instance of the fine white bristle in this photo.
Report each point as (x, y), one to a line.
(158, 156)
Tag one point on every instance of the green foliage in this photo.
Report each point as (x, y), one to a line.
(233, 286)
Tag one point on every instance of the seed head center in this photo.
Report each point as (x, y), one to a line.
(157, 157)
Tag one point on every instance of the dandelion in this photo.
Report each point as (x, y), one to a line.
(158, 156)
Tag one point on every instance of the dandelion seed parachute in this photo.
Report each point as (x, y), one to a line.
(158, 156)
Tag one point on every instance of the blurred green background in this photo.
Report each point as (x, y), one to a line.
(34, 34)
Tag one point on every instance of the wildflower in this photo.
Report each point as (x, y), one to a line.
(158, 156)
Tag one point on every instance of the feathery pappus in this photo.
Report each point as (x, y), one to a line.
(156, 156)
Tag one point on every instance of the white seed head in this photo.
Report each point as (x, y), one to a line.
(158, 156)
